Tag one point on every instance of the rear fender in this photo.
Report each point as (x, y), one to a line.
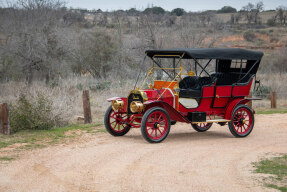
(173, 114)
(229, 109)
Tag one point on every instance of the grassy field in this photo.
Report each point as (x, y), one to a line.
(24, 140)
(270, 111)
(277, 167)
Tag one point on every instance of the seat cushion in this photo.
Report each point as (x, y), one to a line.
(190, 93)
(204, 81)
(189, 82)
(230, 78)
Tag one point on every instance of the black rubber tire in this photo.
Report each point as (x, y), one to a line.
(221, 123)
(230, 124)
(143, 125)
(172, 122)
(108, 127)
(198, 129)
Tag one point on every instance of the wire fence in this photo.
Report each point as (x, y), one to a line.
(271, 100)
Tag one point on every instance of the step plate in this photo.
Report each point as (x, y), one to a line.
(213, 121)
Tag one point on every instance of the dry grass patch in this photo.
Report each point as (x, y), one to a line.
(31, 139)
(277, 168)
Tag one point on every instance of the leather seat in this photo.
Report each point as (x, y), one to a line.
(191, 86)
(190, 93)
(230, 78)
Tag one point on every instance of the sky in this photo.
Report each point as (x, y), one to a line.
(188, 5)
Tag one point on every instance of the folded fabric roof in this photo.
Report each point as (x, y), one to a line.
(208, 53)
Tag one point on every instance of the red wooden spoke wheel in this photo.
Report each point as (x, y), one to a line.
(155, 125)
(242, 121)
(201, 127)
(116, 122)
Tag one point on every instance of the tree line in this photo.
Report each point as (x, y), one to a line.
(43, 40)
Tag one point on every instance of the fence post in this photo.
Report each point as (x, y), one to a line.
(5, 124)
(273, 100)
(249, 104)
(87, 107)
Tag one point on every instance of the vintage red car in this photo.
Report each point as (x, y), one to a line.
(197, 86)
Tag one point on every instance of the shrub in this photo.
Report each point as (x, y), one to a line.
(80, 86)
(249, 36)
(262, 91)
(227, 9)
(271, 22)
(100, 86)
(33, 113)
(154, 10)
(178, 12)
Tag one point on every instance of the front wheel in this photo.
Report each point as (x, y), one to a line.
(155, 125)
(242, 121)
(115, 122)
(201, 127)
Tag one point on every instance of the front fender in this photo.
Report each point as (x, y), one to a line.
(173, 114)
(112, 98)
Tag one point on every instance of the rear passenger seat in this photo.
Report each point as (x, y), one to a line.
(230, 78)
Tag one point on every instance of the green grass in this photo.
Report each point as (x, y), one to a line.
(276, 166)
(41, 138)
(283, 189)
(270, 111)
(6, 158)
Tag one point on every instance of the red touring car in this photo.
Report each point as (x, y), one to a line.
(196, 86)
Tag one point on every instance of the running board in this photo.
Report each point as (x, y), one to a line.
(213, 121)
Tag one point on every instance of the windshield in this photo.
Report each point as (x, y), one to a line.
(174, 69)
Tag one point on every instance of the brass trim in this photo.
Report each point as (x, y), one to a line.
(136, 106)
(117, 104)
(142, 93)
(151, 71)
(213, 121)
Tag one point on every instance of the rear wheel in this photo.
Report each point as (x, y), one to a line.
(155, 125)
(242, 121)
(201, 127)
(115, 122)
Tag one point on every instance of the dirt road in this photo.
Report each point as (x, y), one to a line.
(185, 161)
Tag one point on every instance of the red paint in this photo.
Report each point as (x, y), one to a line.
(208, 91)
(117, 120)
(216, 100)
(229, 108)
(242, 90)
(156, 125)
(173, 114)
(239, 126)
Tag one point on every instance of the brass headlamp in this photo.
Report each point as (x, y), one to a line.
(136, 106)
(117, 104)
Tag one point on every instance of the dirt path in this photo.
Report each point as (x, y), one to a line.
(185, 161)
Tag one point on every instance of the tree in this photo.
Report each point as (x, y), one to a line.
(154, 10)
(281, 14)
(95, 58)
(227, 9)
(258, 8)
(234, 18)
(34, 44)
(133, 12)
(251, 12)
(178, 12)
(247, 12)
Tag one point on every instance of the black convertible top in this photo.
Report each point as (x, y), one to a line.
(208, 53)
